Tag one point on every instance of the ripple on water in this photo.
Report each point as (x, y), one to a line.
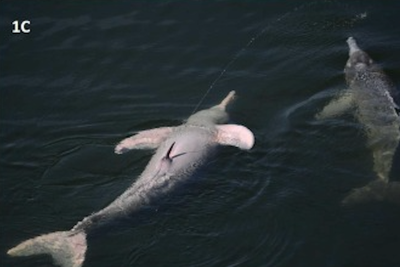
(94, 75)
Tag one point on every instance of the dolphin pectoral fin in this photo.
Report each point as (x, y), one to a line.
(336, 107)
(148, 139)
(66, 248)
(235, 135)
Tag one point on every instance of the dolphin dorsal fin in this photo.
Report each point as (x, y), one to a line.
(235, 135)
(148, 139)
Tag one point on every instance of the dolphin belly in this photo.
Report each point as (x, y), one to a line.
(188, 147)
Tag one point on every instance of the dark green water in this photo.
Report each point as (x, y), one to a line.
(91, 73)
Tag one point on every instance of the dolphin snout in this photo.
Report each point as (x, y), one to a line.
(229, 98)
(352, 45)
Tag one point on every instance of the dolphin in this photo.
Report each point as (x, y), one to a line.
(370, 96)
(180, 151)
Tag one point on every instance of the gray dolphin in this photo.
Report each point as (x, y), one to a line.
(371, 96)
(180, 152)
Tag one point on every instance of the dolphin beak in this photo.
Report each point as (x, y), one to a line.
(353, 47)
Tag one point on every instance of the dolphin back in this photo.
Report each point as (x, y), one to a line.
(66, 248)
(372, 93)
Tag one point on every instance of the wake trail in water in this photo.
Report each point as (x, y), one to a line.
(260, 33)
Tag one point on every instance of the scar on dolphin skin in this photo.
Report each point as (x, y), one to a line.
(168, 156)
(166, 161)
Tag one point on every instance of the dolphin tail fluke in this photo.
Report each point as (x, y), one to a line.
(229, 98)
(375, 191)
(66, 248)
(353, 47)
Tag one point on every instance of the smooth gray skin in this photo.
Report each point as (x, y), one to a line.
(180, 152)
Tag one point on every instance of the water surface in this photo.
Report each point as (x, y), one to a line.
(91, 73)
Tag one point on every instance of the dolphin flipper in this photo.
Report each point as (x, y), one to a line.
(235, 135)
(148, 139)
(336, 107)
(66, 248)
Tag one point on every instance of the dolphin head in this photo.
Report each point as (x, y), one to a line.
(208, 117)
(358, 59)
(214, 115)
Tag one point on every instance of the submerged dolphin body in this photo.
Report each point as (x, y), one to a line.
(371, 96)
(180, 152)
